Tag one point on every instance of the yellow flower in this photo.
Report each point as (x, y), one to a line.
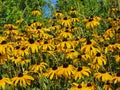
(117, 58)
(107, 86)
(32, 45)
(66, 34)
(74, 18)
(5, 47)
(116, 77)
(52, 73)
(66, 70)
(73, 11)
(80, 72)
(90, 47)
(110, 33)
(36, 13)
(65, 22)
(100, 59)
(10, 26)
(72, 54)
(103, 76)
(65, 44)
(4, 81)
(19, 20)
(38, 67)
(47, 46)
(58, 14)
(22, 79)
(3, 58)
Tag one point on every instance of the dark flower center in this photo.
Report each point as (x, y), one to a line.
(58, 11)
(79, 86)
(88, 42)
(31, 41)
(89, 85)
(72, 27)
(0, 54)
(109, 27)
(72, 9)
(65, 65)
(91, 19)
(98, 54)
(23, 48)
(64, 39)
(20, 74)
(0, 77)
(65, 18)
(54, 68)
(17, 47)
(38, 27)
(113, 43)
(79, 56)
(118, 74)
(46, 42)
(105, 45)
(15, 57)
(79, 69)
(72, 51)
(108, 83)
(66, 30)
(3, 42)
(103, 71)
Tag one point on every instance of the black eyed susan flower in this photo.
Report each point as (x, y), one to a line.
(103, 76)
(92, 22)
(90, 47)
(117, 58)
(47, 46)
(65, 44)
(38, 67)
(10, 27)
(90, 86)
(80, 72)
(65, 22)
(19, 21)
(36, 13)
(100, 59)
(107, 86)
(116, 77)
(4, 81)
(72, 54)
(52, 73)
(73, 11)
(66, 70)
(110, 33)
(3, 58)
(32, 45)
(22, 80)
(66, 34)
(74, 18)
(58, 14)
(76, 86)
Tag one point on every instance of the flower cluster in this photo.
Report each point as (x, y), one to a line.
(66, 51)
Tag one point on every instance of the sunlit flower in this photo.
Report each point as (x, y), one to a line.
(107, 86)
(32, 45)
(116, 77)
(4, 81)
(38, 67)
(58, 14)
(22, 79)
(80, 72)
(36, 13)
(65, 21)
(66, 70)
(52, 73)
(90, 47)
(3, 58)
(99, 59)
(103, 76)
